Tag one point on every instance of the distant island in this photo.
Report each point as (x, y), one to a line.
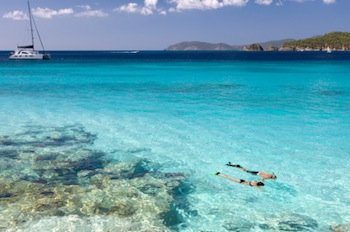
(339, 41)
(197, 45)
(335, 41)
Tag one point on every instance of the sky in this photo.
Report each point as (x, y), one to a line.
(156, 24)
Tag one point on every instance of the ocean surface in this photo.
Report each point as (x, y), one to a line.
(130, 141)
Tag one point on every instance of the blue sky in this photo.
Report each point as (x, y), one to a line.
(155, 24)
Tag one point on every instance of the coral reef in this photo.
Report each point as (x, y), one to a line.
(53, 178)
(283, 222)
(340, 228)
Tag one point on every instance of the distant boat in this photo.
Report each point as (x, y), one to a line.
(329, 50)
(126, 52)
(28, 52)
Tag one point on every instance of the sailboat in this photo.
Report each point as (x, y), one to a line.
(28, 52)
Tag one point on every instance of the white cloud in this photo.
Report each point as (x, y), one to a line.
(146, 11)
(196, 4)
(151, 3)
(206, 4)
(264, 2)
(149, 7)
(92, 13)
(129, 8)
(235, 2)
(89, 12)
(48, 13)
(15, 15)
(329, 1)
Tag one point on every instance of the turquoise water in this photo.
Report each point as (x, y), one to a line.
(290, 118)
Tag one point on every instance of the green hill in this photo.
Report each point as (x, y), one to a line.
(333, 40)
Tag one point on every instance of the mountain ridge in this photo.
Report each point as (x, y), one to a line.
(203, 46)
(331, 40)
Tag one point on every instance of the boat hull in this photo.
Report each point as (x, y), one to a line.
(26, 58)
(35, 56)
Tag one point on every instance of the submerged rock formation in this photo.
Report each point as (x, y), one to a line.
(51, 178)
(282, 222)
(340, 228)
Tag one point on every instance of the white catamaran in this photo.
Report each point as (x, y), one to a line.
(28, 52)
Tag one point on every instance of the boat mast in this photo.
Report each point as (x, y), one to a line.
(32, 21)
(31, 24)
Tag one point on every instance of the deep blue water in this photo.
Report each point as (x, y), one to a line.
(192, 55)
(191, 113)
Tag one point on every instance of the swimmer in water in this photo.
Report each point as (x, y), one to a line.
(263, 175)
(256, 184)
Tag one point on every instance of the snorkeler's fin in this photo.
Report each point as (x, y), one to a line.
(233, 165)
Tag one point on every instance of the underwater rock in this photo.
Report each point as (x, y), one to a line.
(123, 209)
(130, 170)
(241, 226)
(238, 224)
(11, 154)
(47, 193)
(340, 228)
(57, 176)
(50, 137)
(46, 157)
(5, 141)
(150, 189)
(5, 195)
(296, 222)
(5, 164)
(90, 224)
(331, 93)
(91, 162)
(288, 222)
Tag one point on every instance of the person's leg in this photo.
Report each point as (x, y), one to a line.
(239, 181)
(242, 168)
(255, 173)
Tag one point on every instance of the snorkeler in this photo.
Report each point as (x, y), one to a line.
(263, 175)
(256, 184)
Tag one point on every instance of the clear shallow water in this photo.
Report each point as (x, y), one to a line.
(192, 117)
